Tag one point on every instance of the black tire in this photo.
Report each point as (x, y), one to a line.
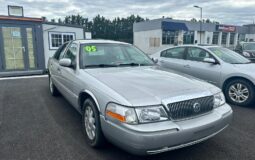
(53, 90)
(98, 140)
(245, 83)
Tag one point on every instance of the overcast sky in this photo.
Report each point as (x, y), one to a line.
(235, 12)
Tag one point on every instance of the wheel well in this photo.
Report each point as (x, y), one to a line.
(82, 97)
(234, 78)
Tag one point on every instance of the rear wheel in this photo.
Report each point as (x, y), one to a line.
(53, 90)
(240, 92)
(91, 124)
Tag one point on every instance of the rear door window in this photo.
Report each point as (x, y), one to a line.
(177, 53)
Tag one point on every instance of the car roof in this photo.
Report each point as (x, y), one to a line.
(200, 45)
(86, 41)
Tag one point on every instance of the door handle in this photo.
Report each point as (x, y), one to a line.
(186, 66)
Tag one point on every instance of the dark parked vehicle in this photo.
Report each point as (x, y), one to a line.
(246, 49)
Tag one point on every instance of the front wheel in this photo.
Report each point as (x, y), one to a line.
(240, 92)
(91, 124)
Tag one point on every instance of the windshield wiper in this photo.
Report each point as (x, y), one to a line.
(100, 65)
(133, 64)
(114, 65)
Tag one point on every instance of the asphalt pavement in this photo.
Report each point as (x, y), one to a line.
(36, 126)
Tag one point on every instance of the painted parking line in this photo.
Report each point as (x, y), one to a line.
(23, 77)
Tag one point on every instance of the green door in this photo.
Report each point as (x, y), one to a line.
(18, 48)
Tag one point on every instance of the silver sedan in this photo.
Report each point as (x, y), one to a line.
(220, 66)
(127, 99)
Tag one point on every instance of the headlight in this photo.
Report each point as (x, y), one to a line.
(121, 113)
(134, 115)
(246, 54)
(151, 114)
(219, 99)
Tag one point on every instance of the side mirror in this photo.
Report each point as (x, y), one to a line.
(65, 62)
(154, 60)
(210, 60)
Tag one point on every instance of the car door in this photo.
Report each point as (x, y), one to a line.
(210, 72)
(173, 58)
(53, 65)
(68, 74)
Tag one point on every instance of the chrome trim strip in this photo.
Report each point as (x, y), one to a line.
(165, 149)
(186, 97)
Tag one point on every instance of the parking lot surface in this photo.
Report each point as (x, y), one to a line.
(34, 125)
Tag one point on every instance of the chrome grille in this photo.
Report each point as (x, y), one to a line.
(190, 108)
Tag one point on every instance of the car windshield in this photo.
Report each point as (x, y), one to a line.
(249, 46)
(229, 56)
(112, 55)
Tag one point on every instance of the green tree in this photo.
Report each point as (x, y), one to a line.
(102, 28)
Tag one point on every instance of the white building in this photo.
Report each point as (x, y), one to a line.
(55, 34)
(151, 36)
(26, 43)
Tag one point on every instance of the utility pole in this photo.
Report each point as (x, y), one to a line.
(201, 19)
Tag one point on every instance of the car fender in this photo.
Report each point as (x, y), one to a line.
(91, 95)
(239, 75)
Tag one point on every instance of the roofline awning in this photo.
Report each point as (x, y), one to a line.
(174, 26)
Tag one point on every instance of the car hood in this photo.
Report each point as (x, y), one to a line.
(149, 85)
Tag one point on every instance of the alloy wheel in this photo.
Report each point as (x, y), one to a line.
(90, 125)
(238, 92)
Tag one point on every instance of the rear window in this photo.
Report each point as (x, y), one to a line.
(177, 53)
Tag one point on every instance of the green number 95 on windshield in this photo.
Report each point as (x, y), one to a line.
(90, 48)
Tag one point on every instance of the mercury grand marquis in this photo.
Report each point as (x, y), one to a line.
(126, 98)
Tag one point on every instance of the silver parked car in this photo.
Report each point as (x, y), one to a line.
(124, 97)
(220, 66)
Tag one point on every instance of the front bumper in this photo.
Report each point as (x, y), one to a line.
(160, 137)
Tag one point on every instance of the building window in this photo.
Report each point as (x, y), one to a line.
(241, 37)
(224, 38)
(59, 38)
(215, 37)
(232, 38)
(188, 37)
(170, 37)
